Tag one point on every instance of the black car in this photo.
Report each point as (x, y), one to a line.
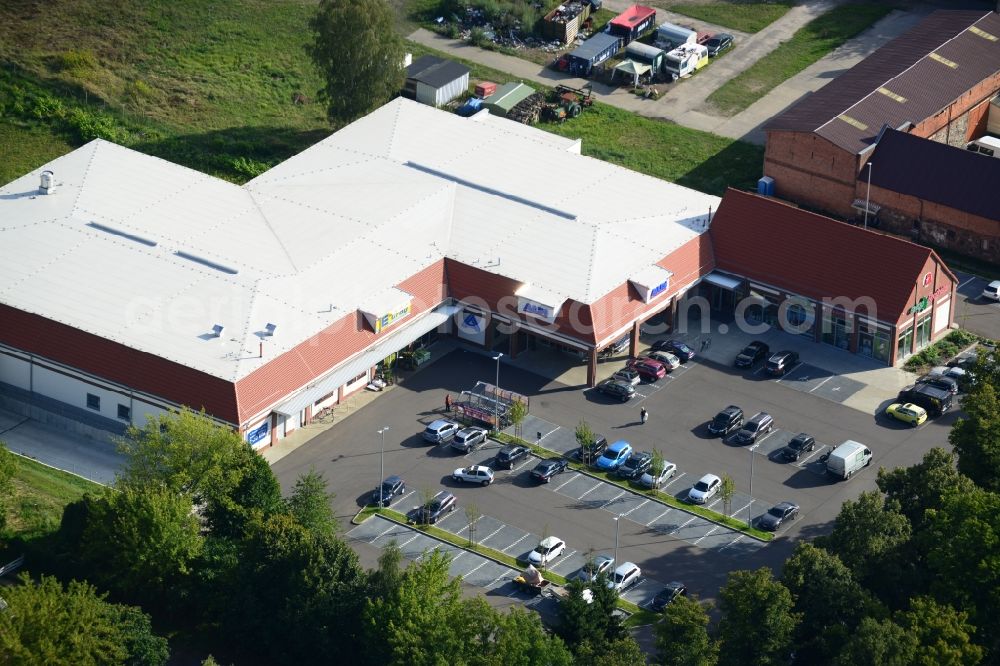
(752, 354)
(718, 43)
(760, 424)
(508, 456)
(935, 401)
(545, 470)
(592, 452)
(778, 514)
(665, 596)
(675, 347)
(728, 420)
(384, 494)
(616, 389)
(799, 445)
(940, 382)
(782, 362)
(637, 464)
(436, 507)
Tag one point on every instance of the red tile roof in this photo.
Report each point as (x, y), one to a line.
(773, 242)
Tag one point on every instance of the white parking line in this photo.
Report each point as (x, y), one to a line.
(550, 432)
(733, 542)
(709, 506)
(383, 533)
(596, 486)
(475, 569)
(657, 518)
(708, 533)
(742, 509)
(572, 478)
(409, 494)
(562, 558)
(522, 465)
(408, 540)
(677, 477)
(821, 383)
(612, 499)
(639, 506)
(504, 550)
(962, 284)
(492, 533)
(815, 453)
(785, 376)
(680, 527)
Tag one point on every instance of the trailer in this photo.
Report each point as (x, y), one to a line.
(632, 23)
(646, 54)
(582, 60)
(565, 21)
(670, 36)
(685, 60)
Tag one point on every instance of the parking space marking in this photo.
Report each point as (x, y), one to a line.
(409, 494)
(709, 506)
(562, 558)
(680, 527)
(658, 517)
(504, 550)
(383, 533)
(744, 508)
(815, 453)
(572, 477)
(639, 506)
(595, 487)
(709, 533)
(492, 533)
(402, 545)
(821, 383)
(676, 478)
(477, 568)
(527, 462)
(550, 432)
(733, 542)
(496, 580)
(790, 372)
(612, 499)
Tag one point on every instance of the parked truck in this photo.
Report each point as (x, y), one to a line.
(848, 458)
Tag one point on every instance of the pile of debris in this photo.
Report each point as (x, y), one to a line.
(528, 110)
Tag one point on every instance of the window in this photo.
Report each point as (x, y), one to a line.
(924, 331)
(94, 402)
(124, 412)
(904, 343)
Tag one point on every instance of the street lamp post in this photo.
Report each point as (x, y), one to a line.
(618, 524)
(750, 506)
(868, 194)
(496, 395)
(381, 466)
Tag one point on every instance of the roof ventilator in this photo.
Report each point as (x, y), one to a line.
(48, 183)
(218, 329)
(269, 329)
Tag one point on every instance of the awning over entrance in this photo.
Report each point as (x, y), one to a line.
(366, 359)
(537, 302)
(861, 205)
(724, 281)
(651, 282)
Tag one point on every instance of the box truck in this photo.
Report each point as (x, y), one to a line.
(848, 458)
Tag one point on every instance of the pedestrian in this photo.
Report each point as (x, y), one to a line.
(643, 415)
(447, 402)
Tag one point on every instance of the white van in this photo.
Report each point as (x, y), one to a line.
(848, 458)
(985, 145)
(685, 59)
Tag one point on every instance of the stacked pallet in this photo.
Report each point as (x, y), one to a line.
(528, 110)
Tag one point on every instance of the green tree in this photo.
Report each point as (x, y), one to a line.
(256, 492)
(621, 652)
(682, 637)
(310, 504)
(8, 466)
(976, 436)
(923, 486)
(878, 643)
(585, 437)
(726, 492)
(512, 638)
(517, 413)
(757, 620)
(944, 634)
(359, 55)
(47, 624)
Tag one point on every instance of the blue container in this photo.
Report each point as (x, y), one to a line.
(765, 186)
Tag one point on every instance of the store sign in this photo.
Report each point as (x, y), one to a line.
(939, 292)
(535, 309)
(920, 305)
(388, 319)
(927, 279)
(259, 434)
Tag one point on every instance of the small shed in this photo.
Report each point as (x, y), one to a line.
(563, 22)
(646, 54)
(632, 22)
(506, 98)
(435, 81)
(594, 51)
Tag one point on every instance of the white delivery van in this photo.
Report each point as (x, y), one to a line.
(847, 459)
(985, 145)
(670, 36)
(685, 59)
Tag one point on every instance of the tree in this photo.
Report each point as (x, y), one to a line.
(656, 466)
(757, 620)
(517, 414)
(310, 504)
(256, 492)
(472, 515)
(47, 624)
(8, 466)
(976, 437)
(512, 638)
(682, 635)
(585, 437)
(726, 492)
(878, 643)
(944, 634)
(359, 55)
(923, 486)
(621, 652)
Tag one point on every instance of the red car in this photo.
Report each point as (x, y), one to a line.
(648, 369)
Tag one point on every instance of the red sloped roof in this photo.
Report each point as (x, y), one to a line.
(815, 256)
(634, 14)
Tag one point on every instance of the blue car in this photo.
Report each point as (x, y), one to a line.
(614, 455)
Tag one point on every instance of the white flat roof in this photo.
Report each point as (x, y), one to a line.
(152, 255)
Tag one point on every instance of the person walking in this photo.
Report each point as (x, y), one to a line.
(447, 402)
(643, 415)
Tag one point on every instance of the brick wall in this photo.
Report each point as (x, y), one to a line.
(959, 122)
(811, 171)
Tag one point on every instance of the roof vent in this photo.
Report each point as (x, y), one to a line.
(218, 329)
(269, 329)
(48, 183)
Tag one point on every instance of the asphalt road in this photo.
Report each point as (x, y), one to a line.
(348, 456)
(978, 314)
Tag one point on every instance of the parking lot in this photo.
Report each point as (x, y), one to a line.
(974, 312)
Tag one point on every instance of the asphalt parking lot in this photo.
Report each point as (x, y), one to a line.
(976, 313)
(667, 546)
(819, 382)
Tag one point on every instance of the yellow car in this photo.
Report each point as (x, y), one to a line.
(908, 413)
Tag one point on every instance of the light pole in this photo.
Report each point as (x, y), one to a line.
(618, 524)
(750, 506)
(868, 194)
(381, 466)
(496, 395)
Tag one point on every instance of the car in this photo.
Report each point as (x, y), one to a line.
(384, 494)
(437, 506)
(761, 424)
(907, 413)
(617, 389)
(779, 364)
(943, 382)
(752, 354)
(619, 346)
(468, 439)
(797, 446)
(778, 514)
(590, 452)
(509, 455)
(441, 431)
(650, 480)
(589, 572)
(636, 465)
(480, 474)
(718, 43)
(992, 291)
(624, 577)
(669, 361)
(549, 549)
(676, 347)
(614, 455)
(667, 595)
(627, 375)
(546, 469)
(648, 369)
(727, 421)
(705, 489)
(962, 376)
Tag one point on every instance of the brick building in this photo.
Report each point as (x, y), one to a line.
(935, 82)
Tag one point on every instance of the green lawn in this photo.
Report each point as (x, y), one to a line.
(26, 146)
(745, 17)
(40, 493)
(812, 42)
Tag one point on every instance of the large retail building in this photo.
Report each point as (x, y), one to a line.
(130, 285)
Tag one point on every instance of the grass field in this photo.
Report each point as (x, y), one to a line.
(745, 17)
(25, 146)
(40, 493)
(812, 42)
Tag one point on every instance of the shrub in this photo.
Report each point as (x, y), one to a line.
(76, 63)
